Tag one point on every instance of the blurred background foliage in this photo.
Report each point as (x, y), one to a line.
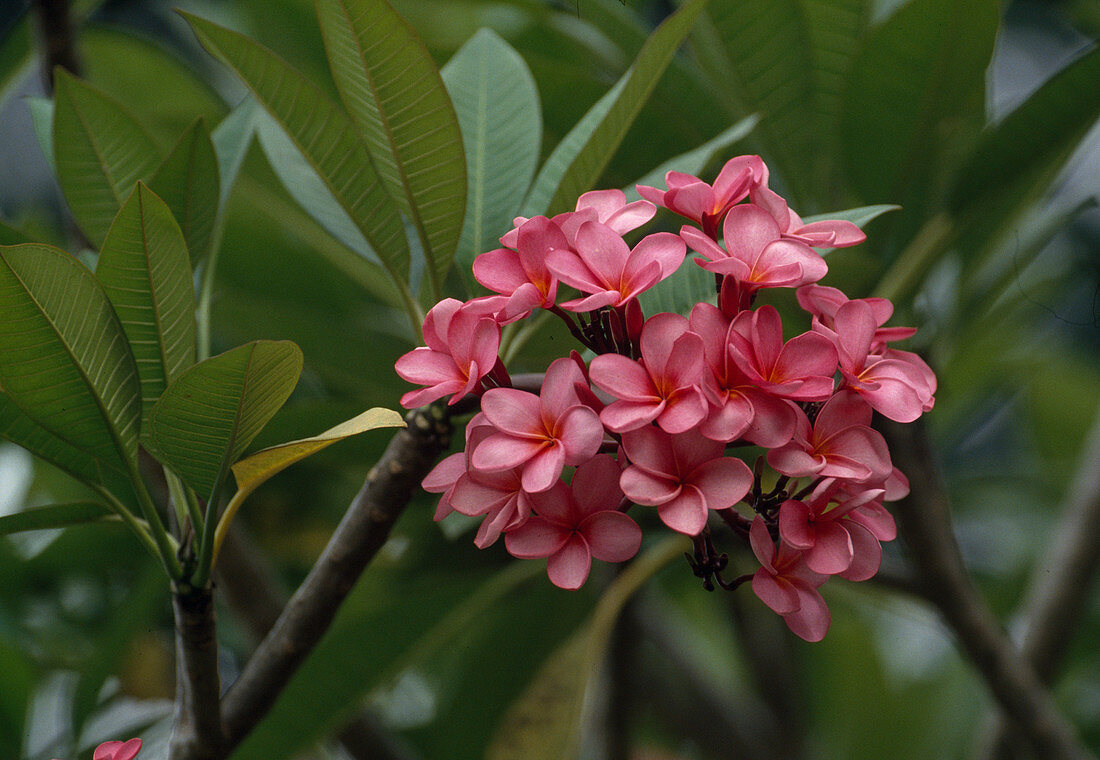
(978, 118)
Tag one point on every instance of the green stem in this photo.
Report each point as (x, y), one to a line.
(140, 528)
(206, 288)
(209, 530)
(156, 525)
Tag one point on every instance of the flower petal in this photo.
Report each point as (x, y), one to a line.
(568, 567)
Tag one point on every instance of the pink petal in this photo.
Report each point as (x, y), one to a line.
(651, 449)
(747, 230)
(559, 386)
(556, 504)
(775, 261)
(693, 200)
(580, 433)
(543, 469)
(730, 420)
(762, 544)
(876, 519)
(622, 377)
(612, 536)
(855, 326)
(499, 270)
(843, 410)
(595, 485)
(774, 420)
(811, 621)
(722, 482)
(794, 524)
(445, 473)
(503, 452)
(666, 249)
(646, 488)
(568, 567)
(570, 269)
(687, 513)
(472, 497)
(683, 411)
(832, 549)
(866, 553)
(514, 411)
(424, 366)
(624, 416)
(603, 251)
(777, 593)
(536, 538)
(795, 461)
(659, 336)
(774, 205)
(805, 355)
(437, 322)
(704, 246)
(631, 216)
(840, 233)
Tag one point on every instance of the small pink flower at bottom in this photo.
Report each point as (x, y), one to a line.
(575, 523)
(117, 750)
(785, 584)
(684, 476)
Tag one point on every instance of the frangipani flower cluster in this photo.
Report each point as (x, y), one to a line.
(654, 411)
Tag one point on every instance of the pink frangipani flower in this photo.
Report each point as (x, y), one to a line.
(738, 408)
(117, 750)
(841, 444)
(662, 386)
(606, 268)
(823, 527)
(898, 389)
(785, 584)
(462, 344)
(756, 254)
(521, 274)
(577, 522)
(690, 197)
(541, 433)
(827, 233)
(800, 369)
(683, 475)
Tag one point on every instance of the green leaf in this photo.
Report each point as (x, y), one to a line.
(919, 77)
(582, 155)
(100, 150)
(205, 420)
(324, 135)
(677, 294)
(19, 428)
(497, 104)
(1019, 157)
(187, 181)
(64, 358)
(757, 53)
(231, 139)
(53, 516)
(306, 188)
(392, 89)
(42, 120)
(144, 270)
(857, 216)
(544, 723)
(696, 159)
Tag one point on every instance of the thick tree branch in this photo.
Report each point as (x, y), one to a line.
(924, 522)
(198, 733)
(1060, 584)
(365, 527)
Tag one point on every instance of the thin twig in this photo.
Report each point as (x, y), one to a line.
(55, 30)
(1051, 610)
(924, 523)
(365, 527)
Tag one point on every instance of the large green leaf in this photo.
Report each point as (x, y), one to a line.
(497, 104)
(64, 358)
(19, 428)
(187, 181)
(205, 420)
(144, 270)
(392, 89)
(324, 135)
(580, 158)
(914, 89)
(1016, 160)
(757, 53)
(100, 150)
(53, 516)
(544, 723)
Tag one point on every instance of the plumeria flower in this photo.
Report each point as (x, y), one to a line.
(756, 252)
(738, 409)
(521, 274)
(898, 389)
(841, 444)
(541, 433)
(117, 750)
(704, 204)
(662, 386)
(823, 302)
(462, 344)
(800, 369)
(824, 526)
(575, 523)
(684, 476)
(828, 233)
(609, 271)
(785, 584)
(608, 207)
